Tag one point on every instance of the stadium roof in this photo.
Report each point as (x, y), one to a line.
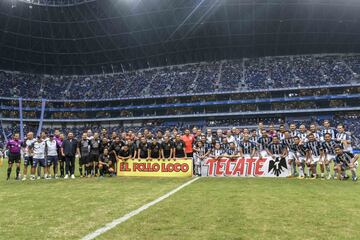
(96, 36)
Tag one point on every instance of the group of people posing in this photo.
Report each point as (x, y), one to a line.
(97, 153)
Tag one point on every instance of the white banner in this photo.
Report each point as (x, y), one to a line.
(245, 167)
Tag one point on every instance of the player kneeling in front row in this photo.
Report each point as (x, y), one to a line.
(105, 164)
(345, 161)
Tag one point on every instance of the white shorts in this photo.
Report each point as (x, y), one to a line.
(263, 154)
(291, 156)
(315, 159)
(301, 159)
(246, 156)
(330, 157)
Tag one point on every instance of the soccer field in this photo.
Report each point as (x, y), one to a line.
(209, 208)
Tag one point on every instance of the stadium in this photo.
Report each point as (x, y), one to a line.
(179, 119)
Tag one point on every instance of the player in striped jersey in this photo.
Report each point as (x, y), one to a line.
(217, 152)
(232, 152)
(328, 148)
(315, 154)
(200, 153)
(344, 161)
(288, 141)
(328, 129)
(313, 130)
(254, 137)
(301, 155)
(247, 148)
(344, 138)
(281, 132)
(276, 148)
(303, 133)
(293, 130)
(263, 143)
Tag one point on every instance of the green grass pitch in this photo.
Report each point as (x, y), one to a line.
(210, 208)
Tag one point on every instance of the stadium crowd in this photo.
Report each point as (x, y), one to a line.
(303, 146)
(230, 75)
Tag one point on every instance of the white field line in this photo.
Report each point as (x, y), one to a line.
(124, 218)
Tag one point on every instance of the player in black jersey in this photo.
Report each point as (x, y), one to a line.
(83, 150)
(105, 163)
(344, 161)
(95, 154)
(154, 149)
(132, 148)
(125, 153)
(115, 149)
(179, 147)
(143, 149)
(167, 148)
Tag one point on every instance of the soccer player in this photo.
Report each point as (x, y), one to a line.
(276, 148)
(143, 149)
(179, 148)
(28, 158)
(125, 153)
(232, 152)
(328, 129)
(301, 156)
(217, 152)
(83, 151)
(14, 147)
(155, 149)
(293, 130)
(38, 151)
(314, 130)
(344, 161)
(247, 148)
(51, 149)
(303, 133)
(115, 149)
(288, 141)
(344, 138)
(167, 148)
(315, 154)
(328, 148)
(200, 153)
(95, 153)
(105, 163)
(263, 142)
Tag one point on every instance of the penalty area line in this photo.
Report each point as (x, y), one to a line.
(126, 217)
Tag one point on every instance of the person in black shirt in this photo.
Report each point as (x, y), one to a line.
(95, 152)
(105, 163)
(143, 149)
(115, 149)
(167, 148)
(68, 150)
(132, 148)
(179, 146)
(105, 143)
(125, 153)
(155, 149)
(83, 150)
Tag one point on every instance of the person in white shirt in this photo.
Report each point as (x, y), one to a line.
(52, 148)
(38, 151)
(28, 158)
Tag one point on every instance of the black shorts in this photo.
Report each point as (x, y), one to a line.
(28, 161)
(84, 160)
(180, 155)
(94, 157)
(14, 158)
(61, 158)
